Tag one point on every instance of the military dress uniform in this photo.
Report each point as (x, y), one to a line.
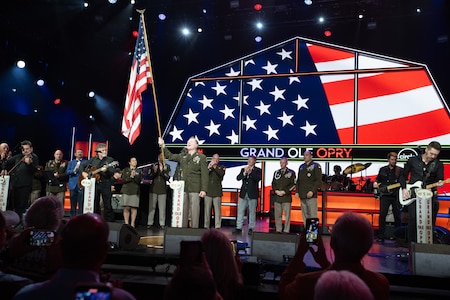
(283, 180)
(309, 179)
(214, 196)
(57, 186)
(158, 193)
(194, 172)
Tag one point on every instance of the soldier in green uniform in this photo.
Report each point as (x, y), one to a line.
(283, 183)
(214, 194)
(56, 176)
(159, 173)
(194, 173)
(308, 183)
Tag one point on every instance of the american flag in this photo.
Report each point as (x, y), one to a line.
(306, 92)
(140, 76)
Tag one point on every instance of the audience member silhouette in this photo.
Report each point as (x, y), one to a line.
(84, 246)
(341, 285)
(9, 283)
(38, 262)
(224, 264)
(351, 239)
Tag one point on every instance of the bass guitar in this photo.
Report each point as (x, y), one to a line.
(384, 189)
(412, 189)
(93, 173)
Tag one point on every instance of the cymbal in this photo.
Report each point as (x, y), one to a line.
(355, 168)
(366, 165)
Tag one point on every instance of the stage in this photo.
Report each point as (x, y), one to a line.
(146, 269)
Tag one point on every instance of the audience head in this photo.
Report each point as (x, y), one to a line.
(220, 257)
(45, 213)
(341, 285)
(84, 242)
(351, 237)
(193, 282)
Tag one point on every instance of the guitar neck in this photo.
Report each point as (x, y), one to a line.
(432, 185)
(393, 186)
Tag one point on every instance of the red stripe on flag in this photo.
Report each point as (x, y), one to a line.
(321, 54)
(400, 131)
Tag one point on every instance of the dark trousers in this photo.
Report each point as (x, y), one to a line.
(103, 189)
(76, 200)
(385, 202)
(412, 221)
(21, 198)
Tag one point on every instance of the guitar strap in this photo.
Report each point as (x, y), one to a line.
(432, 165)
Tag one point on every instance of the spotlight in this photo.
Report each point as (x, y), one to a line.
(162, 16)
(185, 31)
(21, 64)
(40, 82)
(204, 10)
(258, 38)
(112, 1)
(259, 25)
(418, 10)
(132, 1)
(57, 101)
(91, 94)
(86, 5)
(14, 90)
(327, 33)
(135, 33)
(360, 16)
(321, 19)
(308, 2)
(199, 30)
(35, 110)
(91, 117)
(257, 6)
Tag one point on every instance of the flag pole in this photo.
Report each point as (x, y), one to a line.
(147, 49)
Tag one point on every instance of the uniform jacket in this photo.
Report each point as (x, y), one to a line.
(57, 185)
(309, 179)
(131, 186)
(193, 170)
(215, 181)
(159, 179)
(284, 181)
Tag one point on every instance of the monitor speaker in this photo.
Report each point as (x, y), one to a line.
(173, 236)
(123, 236)
(430, 260)
(274, 247)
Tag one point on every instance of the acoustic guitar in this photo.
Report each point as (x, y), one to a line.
(94, 173)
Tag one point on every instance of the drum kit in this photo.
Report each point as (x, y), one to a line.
(347, 184)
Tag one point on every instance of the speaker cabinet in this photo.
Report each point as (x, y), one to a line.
(123, 236)
(430, 260)
(274, 247)
(173, 236)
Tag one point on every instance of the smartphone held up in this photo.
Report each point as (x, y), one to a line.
(312, 230)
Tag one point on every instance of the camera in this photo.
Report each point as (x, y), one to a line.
(41, 238)
(94, 291)
(312, 230)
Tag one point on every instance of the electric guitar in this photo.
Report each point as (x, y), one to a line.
(412, 188)
(83, 179)
(384, 189)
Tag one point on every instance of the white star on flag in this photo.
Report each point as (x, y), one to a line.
(250, 61)
(293, 78)
(301, 102)
(278, 94)
(234, 138)
(285, 54)
(286, 119)
(232, 72)
(206, 102)
(200, 142)
(213, 128)
(191, 117)
(227, 112)
(263, 108)
(197, 83)
(244, 98)
(249, 123)
(220, 89)
(176, 134)
(256, 84)
(308, 128)
(270, 69)
(271, 133)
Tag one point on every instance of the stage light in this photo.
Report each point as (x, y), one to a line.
(135, 33)
(40, 82)
(257, 6)
(86, 5)
(132, 1)
(21, 64)
(185, 31)
(321, 19)
(91, 94)
(35, 110)
(360, 16)
(418, 10)
(112, 1)
(327, 33)
(259, 25)
(162, 16)
(57, 101)
(14, 90)
(258, 38)
(199, 29)
(204, 10)
(308, 2)
(91, 117)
